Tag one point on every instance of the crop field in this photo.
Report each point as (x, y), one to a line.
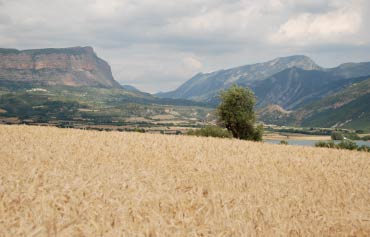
(65, 182)
(65, 106)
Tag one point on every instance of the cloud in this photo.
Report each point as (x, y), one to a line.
(192, 63)
(312, 6)
(104, 9)
(158, 44)
(315, 28)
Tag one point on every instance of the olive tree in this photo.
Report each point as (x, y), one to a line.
(236, 113)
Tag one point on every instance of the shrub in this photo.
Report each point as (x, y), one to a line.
(366, 138)
(329, 144)
(349, 145)
(210, 131)
(258, 133)
(337, 135)
(364, 148)
(320, 144)
(140, 130)
(282, 142)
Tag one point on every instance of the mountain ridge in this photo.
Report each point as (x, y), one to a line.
(295, 87)
(204, 86)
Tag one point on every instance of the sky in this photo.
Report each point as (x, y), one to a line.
(156, 45)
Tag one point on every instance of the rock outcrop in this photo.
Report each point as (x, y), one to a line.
(77, 66)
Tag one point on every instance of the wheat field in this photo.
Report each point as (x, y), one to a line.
(65, 182)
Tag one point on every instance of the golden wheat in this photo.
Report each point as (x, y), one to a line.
(64, 182)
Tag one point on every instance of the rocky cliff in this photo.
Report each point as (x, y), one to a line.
(77, 66)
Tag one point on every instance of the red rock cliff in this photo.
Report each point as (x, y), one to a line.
(78, 66)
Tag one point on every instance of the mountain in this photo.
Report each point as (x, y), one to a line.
(295, 87)
(348, 107)
(351, 70)
(355, 114)
(204, 87)
(275, 114)
(289, 82)
(292, 91)
(130, 88)
(77, 66)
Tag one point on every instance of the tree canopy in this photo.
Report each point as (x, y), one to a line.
(236, 113)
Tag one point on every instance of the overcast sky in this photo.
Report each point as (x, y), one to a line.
(156, 45)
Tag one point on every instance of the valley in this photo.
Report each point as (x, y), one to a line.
(73, 87)
(98, 108)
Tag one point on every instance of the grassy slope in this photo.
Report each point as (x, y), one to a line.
(355, 114)
(351, 103)
(342, 97)
(71, 182)
(349, 107)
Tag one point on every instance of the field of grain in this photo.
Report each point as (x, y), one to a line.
(64, 182)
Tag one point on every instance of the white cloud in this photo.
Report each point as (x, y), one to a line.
(314, 28)
(192, 63)
(108, 9)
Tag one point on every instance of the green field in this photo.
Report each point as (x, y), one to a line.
(76, 106)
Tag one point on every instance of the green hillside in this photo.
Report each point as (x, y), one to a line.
(91, 105)
(340, 98)
(355, 114)
(348, 108)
